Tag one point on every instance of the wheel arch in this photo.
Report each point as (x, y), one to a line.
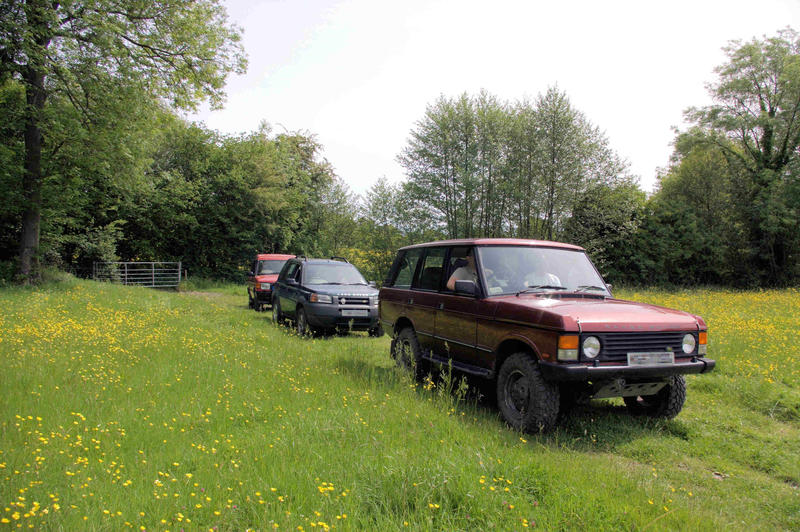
(510, 346)
(401, 324)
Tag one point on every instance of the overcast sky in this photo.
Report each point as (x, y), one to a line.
(358, 74)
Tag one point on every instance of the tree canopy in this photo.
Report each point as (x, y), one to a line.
(101, 60)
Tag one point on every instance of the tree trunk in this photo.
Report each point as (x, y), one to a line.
(32, 177)
(38, 16)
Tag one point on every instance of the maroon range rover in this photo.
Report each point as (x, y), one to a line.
(537, 318)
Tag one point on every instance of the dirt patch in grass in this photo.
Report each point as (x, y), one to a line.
(202, 294)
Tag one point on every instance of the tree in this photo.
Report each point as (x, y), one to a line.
(605, 219)
(90, 53)
(485, 168)
(755, 123)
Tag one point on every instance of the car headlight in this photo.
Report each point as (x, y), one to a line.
(320, 298)
(688, 343)
(265, 286)
(373, 301)
(591, 346)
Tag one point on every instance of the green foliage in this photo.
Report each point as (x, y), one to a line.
(486, 168)
(92, 63)
(755, 126)
(605, 221)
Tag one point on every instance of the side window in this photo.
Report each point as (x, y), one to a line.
(407, 267)
(430, 277)
(290, 271)
(460, 266)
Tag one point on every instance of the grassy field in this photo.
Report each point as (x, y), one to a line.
(134, 408)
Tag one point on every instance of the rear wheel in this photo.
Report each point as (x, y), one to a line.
(666, 403)
(407, 353)
(526, 401)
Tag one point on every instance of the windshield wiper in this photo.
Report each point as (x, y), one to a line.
(588, 287)
(541, 287)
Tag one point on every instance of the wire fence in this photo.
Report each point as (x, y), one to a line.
(150, 274)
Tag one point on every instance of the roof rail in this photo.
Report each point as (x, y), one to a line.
(340, 258)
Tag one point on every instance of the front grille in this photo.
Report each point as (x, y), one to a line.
(350, 300)
(614, 347)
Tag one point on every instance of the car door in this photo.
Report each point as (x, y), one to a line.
(287, 292)
(396, 297)
(425, 295)
(455, 321)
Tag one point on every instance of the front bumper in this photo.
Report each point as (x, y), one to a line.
(553, 371)
(330, 316)
(263, 296)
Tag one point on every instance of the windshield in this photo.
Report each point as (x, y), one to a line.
(515, 269)
(267, 267)
(333, 273)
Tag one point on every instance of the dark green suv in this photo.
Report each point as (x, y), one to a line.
(325, 295)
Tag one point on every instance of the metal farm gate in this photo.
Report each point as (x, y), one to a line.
(150, 274)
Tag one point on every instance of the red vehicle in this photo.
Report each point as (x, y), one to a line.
(537, 320)
(262, 276)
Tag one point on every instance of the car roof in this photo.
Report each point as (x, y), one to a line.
(321, 261)
(273, 256)
(497, 242)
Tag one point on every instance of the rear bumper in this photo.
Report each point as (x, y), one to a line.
(580, 372)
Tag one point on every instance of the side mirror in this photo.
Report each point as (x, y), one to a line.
(466, 287)
(372, 284)
(291, 282)
(251, 274)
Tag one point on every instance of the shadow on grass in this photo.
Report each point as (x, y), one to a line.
(600, 426)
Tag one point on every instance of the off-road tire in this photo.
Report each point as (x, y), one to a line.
(407, 353)
(277, 315)
(667, 403)
(301, 323)
(376, 332)
(250, 302)
(526, 401)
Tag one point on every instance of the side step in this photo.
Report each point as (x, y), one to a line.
(460, 366)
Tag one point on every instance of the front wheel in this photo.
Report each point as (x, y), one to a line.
(377, 331)
(526, 401)
(301, 323)
(666, 403)
(277, 315)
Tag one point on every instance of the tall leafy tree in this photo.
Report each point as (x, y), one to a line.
(94, 54)
(755, 123)
(485, 168)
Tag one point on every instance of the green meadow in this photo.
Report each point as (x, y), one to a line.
(153, 410)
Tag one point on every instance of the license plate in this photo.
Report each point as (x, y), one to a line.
(651, 359)
(355, 313)
(265, 286)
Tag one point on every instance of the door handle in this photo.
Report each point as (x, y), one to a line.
(441, 306)
(410, 301)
